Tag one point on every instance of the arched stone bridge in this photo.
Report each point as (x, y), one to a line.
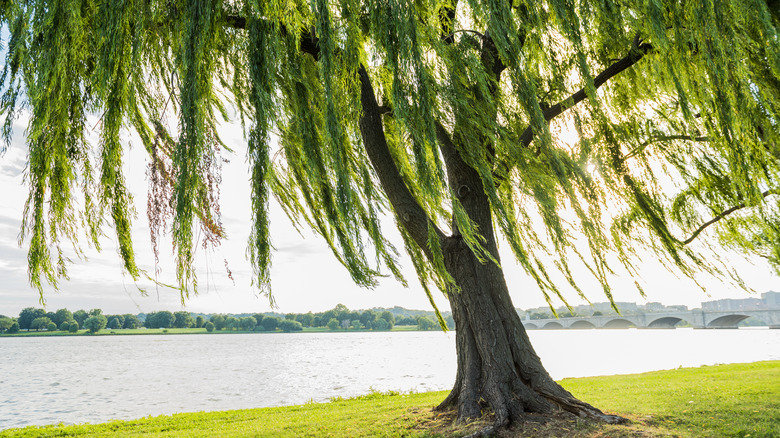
(696, 318)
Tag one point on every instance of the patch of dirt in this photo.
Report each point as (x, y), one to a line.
(537, 426)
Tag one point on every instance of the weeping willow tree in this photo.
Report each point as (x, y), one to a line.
(579, 131)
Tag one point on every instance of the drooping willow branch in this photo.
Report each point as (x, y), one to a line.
(413, 217)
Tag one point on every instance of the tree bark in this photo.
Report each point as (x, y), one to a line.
(497, 367)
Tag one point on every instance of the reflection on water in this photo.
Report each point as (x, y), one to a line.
(93, 379)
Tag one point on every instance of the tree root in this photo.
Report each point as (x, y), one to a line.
(581, 409)
(561, 404)
(489, 430)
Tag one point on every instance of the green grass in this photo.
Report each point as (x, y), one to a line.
(373, 415)
(738, 400)
(741, 400)
(110, 332)
(405, 328)
(35, 334)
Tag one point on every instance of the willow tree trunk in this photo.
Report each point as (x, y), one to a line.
(497, 365)
(496, 362)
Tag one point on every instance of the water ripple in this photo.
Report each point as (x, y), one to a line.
(138, 376)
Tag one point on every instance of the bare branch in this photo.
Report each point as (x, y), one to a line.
(613, 70)
(450, 36)
(723, 214)
(452, 158)
(385, 110)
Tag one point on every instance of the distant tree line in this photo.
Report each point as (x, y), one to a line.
(338, 318)
(32, 319)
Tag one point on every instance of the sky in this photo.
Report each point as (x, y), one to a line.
(304, 276)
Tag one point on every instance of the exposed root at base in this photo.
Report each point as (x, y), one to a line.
(495, 428)
(583, 410)
(611, 419)
(560, 424)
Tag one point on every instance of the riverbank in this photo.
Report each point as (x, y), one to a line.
(189, 331)
(737, 400)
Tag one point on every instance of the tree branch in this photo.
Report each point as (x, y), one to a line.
(449, 37)
(452, 159)
(309, 42)
(634, 152)
(412, 216)
(633, 56)
(236, 22)
(446, 17)
(723, 214)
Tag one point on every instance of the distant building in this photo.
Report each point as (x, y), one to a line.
(654, 307)
(677, 308)
(624, 307)
(771, 298)
(729, 304)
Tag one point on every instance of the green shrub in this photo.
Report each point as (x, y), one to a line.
(95, 323)
(289, 325)
(381, 325)
(271, 323)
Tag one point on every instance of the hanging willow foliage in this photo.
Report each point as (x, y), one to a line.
(673, 108)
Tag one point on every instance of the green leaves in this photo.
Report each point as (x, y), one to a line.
(262, 79)
(595, 128)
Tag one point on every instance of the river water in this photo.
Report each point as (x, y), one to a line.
(84, 379)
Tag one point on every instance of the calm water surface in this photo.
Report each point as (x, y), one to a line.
(94, 379)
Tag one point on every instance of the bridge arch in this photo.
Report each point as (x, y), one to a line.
(582, 324)
(530, 326)
(665, 322)
(727, 321)
(553, 325)
(619, 323)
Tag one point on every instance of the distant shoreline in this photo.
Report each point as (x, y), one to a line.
(194, 331)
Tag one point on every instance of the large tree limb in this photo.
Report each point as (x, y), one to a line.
(453, 161)
(411, 214)
(633, 56)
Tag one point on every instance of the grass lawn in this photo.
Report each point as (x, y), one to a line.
(740, 400)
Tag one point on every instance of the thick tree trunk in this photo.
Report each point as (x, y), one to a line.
(497, 365)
